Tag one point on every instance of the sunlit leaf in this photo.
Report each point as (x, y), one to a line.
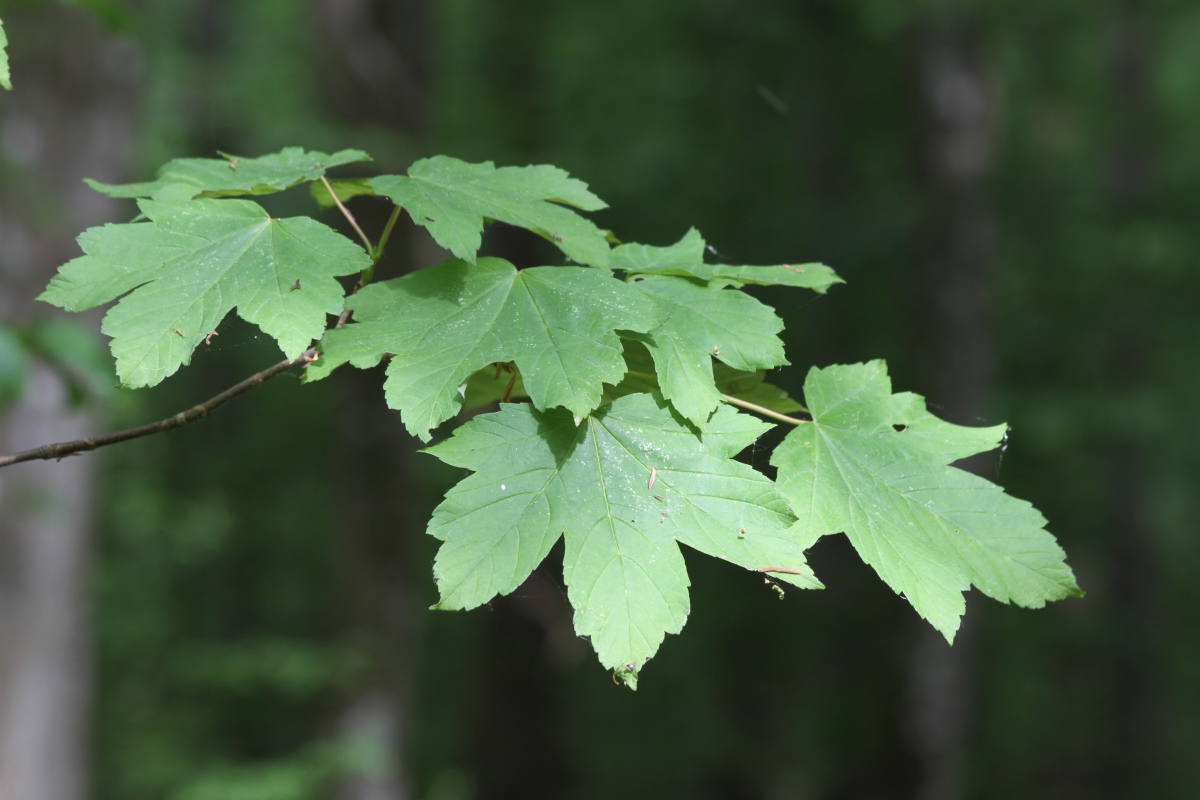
(452, 198)
(185, 269)
(706, 321)
(5, 78)
(876, 466)
(186, 178)
(686, 258)
(623, 486)
(442, 324)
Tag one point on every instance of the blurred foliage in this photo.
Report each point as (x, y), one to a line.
(782, 131)
(70, 347)
(14, 368)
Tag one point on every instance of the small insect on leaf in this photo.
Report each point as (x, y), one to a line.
(296, 285)
(178, 331)
(208, 339)
(233, 164)
(653, 477)
(716, 350)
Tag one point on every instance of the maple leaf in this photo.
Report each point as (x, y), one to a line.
(452, 198)
(686, 258)
(186, 178)
(442, 324)
(703, 321)
(185, 269)
(622, 487)
(875, 465)
(5, 78)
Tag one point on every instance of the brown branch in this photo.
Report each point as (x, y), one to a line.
(63, 449)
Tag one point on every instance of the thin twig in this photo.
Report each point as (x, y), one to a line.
(194, 414)
(346, 212)
(766, 412)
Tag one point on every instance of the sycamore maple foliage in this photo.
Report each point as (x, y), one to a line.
(634, 359)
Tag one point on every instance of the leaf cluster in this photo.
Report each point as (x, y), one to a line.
(635, 363)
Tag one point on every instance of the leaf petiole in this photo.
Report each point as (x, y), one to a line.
(377, 253)
(766, 412)
(350, 217)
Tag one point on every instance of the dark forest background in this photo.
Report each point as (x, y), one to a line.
(237, 611)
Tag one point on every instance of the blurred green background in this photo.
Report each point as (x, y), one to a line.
(1010, 191)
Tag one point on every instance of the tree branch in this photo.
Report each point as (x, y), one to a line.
(63, 449)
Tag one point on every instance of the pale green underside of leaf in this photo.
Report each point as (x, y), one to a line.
(538, 476)
(704, 321)
(442, 324)
(686, 258)
(186, 178)
(928, 529)
(5, 78)
(489, 385)
(452, 198)
(191, 264)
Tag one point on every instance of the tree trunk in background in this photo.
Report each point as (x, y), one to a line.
(957, 142)
(377, 532)
(378, 51)
(69, 116)
(1134, 742)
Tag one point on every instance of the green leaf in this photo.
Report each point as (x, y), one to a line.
(192, 263)
(14, 365)
(685, 258)
(622, 487)
(876, 466)
(444, 323)
(5, 78)
(452, 198)
(703, 321)
(186, 178)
